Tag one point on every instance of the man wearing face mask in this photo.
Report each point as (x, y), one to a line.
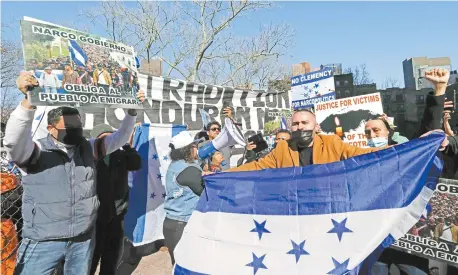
(305, 147)
(380, 133)
(59, 203)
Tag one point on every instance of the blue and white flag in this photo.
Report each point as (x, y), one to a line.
(317, 219)
(137, 62)
(145, 216)
(78, 55)
(283, 123)
(205, 118)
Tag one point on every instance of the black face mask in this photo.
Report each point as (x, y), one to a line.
(301, 139)
(70, 136)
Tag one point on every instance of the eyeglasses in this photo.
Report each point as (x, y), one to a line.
(215, 129)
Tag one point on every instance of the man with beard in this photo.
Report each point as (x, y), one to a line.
(70, 76)
(305, 147)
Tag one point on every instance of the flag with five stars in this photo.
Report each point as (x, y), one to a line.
(319, 219)
(145, 216)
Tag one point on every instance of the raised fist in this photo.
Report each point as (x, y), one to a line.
(438, 76)
(25, 81)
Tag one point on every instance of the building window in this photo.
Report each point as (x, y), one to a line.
(338, 94)
(400, 97)
(347, 93)
(386, 98)
(337, 83)
(401, 108)
(346, 83)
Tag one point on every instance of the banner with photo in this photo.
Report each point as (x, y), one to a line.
(435, 235)
(347, 117)
(309, 89)
(172, 101)
(74, 68)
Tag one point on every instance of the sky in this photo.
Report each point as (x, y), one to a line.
(378, 34)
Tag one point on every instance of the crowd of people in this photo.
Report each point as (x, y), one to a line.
(74, 236)
(100, 70)
(441, 223)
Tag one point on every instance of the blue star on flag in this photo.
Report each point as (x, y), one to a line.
(152, 196)
(316, 85)
(166, 158)
(155, 157)
(339, 228)
(159, 176)
(339, 268)
(298, 250)
(257, 263)
(260, 228)
(163, 195)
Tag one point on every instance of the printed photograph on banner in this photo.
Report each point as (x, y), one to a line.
(275, 120)
(74, 68)
(435, 235)
(315, 87)
(347, 117)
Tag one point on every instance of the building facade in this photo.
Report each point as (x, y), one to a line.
(415, 67)
(343, 84)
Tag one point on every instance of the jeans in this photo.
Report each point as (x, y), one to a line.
(108, 245)
(51, 90)
(173, 230)
(42, 257)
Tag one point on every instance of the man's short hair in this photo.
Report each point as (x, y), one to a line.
(304, 111)
(283, 131)
(55, 114)
(209, 125)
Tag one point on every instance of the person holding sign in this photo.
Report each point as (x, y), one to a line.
(59, 203)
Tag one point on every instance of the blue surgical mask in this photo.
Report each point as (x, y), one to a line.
(223, 163)
(377, 142)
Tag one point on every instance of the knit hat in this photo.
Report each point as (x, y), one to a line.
(101, 129)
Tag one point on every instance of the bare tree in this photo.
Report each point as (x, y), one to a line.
(390, 82)
(198, 45)
(361, 75)
(110, 16)
(11, 63)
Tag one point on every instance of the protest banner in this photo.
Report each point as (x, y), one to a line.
(273, 121)
(435, 235)
(346, 117)
(311, 88)
(171, 101)
(78, 69)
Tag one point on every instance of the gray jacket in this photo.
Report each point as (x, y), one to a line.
(59, 199)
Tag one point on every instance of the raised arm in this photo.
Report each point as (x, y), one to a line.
(120, 137)
(18, 139)
(434, 101)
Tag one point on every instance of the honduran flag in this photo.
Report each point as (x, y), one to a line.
(78, 55)
(283, 123)
(334, 218)
(145, 216)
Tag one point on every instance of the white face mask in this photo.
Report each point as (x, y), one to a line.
(377, 142)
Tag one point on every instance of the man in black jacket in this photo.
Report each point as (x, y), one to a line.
(113, 193)
(432, 119)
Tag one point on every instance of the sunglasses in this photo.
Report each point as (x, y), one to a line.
(215, 129)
